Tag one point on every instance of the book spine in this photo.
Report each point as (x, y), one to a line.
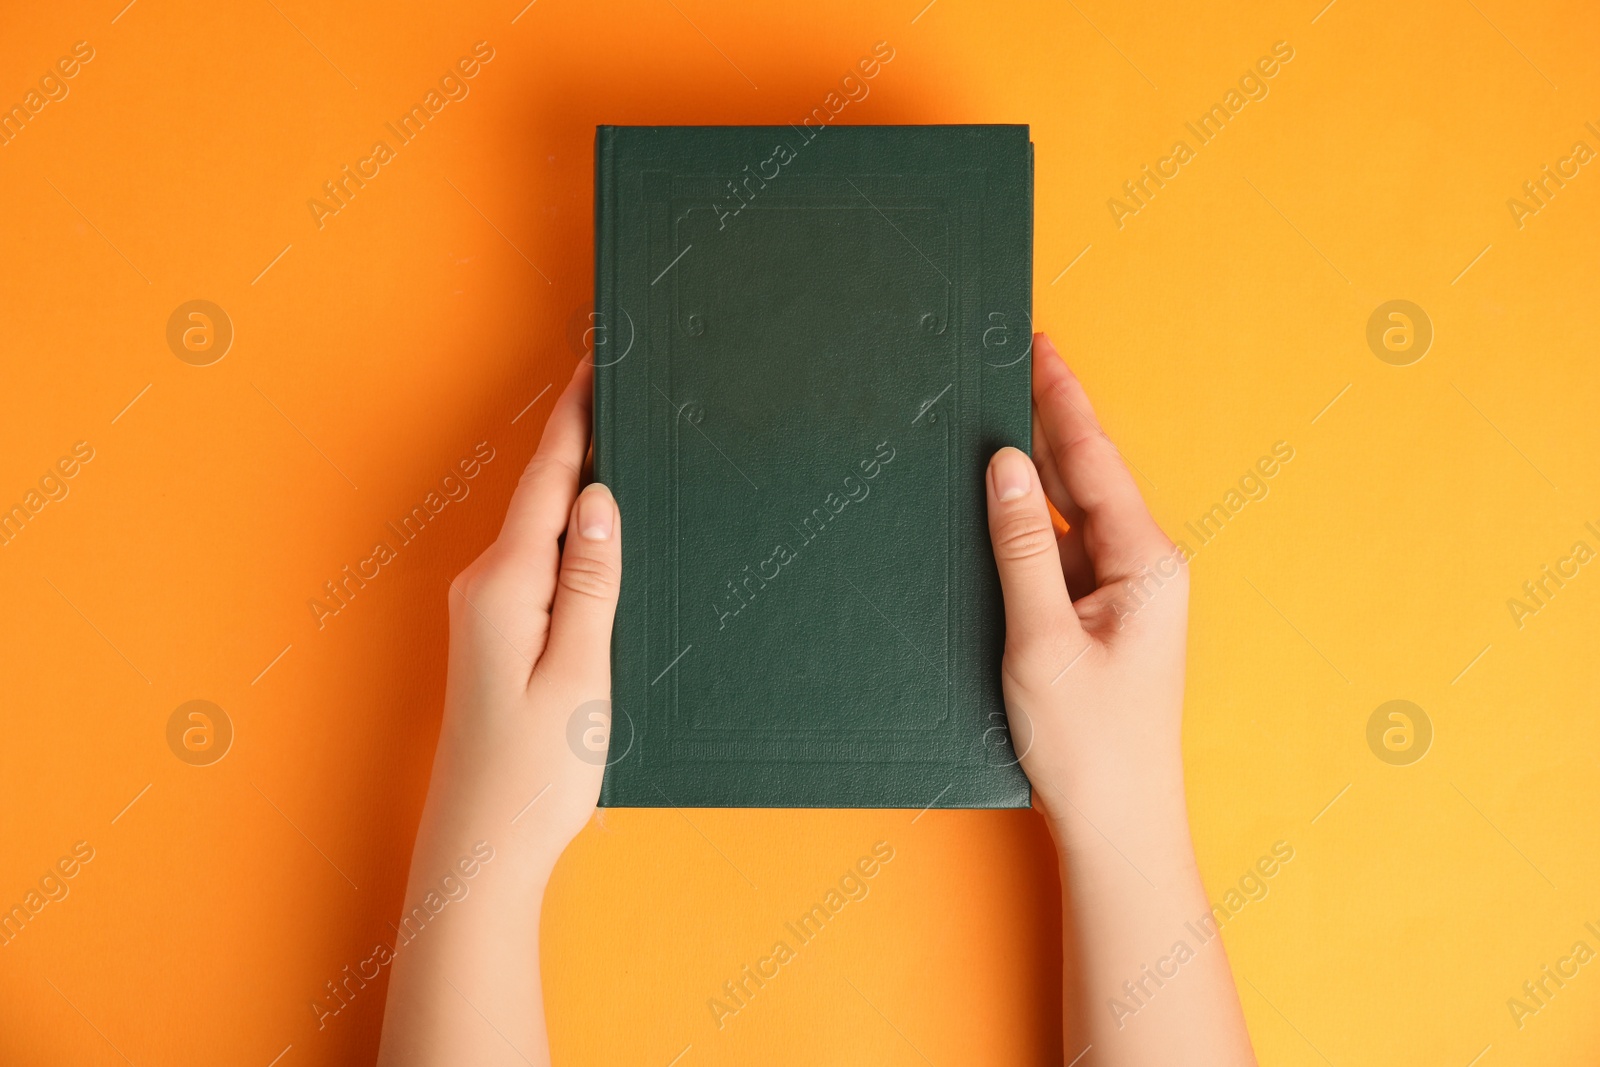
(605, 371)
(1027, 291)
(604, 304)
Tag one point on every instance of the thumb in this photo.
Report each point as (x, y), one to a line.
(1040, 619)
(579, 649)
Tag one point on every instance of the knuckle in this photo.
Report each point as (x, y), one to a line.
(1100, 454)
(590, 577)
(1058, 391)
(479, 582)
(547, 464)
(1068, 397)
(468, 586)
(1022, 536)
(1162, 557)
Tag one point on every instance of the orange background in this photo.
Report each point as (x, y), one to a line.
(433, 310)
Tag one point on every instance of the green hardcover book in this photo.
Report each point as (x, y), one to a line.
(809, 343)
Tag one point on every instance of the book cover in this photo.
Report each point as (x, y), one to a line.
(808, 342)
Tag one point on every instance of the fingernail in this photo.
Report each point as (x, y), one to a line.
(595, 513)
(1013, 474)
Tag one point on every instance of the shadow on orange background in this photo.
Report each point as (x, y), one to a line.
(432, 315)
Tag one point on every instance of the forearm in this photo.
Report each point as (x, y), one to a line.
(465, 982)
(530, 637)
(1153, 983)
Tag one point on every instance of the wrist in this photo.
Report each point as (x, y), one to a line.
(1139, 819)
(1110, 782)
(522, 854)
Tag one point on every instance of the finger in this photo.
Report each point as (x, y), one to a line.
(527, 549)
(1055, 490)
(1119, 536)
(1074, 559)
(579, 650)
(1039, 615)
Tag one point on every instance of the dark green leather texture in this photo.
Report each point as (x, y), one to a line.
(808, 344)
